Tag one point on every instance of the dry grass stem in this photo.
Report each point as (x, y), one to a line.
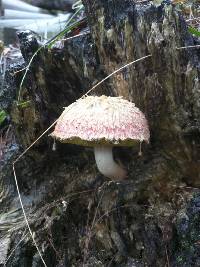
(187, 47)
(13, 250)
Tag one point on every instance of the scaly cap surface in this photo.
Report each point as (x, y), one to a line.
(102, 120)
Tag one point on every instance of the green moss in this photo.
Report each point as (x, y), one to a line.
(3, 116)
(23, 104)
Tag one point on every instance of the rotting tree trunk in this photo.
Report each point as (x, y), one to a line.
(151, 219)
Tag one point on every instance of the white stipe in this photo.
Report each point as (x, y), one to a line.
(106, 164)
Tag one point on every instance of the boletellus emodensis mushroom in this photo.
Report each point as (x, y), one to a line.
(103, 122)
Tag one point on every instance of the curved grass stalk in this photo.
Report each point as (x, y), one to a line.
(13, 250)
(49, 44)
(26, 220)
(77, 4)
(27, 69)
(114, 72)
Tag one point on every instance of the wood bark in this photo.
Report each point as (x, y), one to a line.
(79, 219)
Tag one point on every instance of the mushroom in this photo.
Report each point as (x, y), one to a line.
(103, 122)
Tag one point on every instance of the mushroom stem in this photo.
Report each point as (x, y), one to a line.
(106, 164)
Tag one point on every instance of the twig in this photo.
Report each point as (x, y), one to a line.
(110, 211)
(192, 19)
(17, 71)
(51, 243)
(95, 215)
(71, 37)
(167, 257)
(186, 47)
(114, 209)
(27, 69)
(92, 226)
(142, 1)
(26, 219)
(87, 235)
(11, 253)
(110, 262)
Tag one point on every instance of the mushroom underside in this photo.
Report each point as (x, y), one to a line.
(94, 142)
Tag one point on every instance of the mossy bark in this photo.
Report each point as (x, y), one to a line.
(79, 219)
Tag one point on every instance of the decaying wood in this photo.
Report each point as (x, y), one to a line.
(152, 219)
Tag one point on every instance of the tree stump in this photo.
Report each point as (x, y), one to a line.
(79, 219)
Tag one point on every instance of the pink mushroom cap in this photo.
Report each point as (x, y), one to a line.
(102, 120)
